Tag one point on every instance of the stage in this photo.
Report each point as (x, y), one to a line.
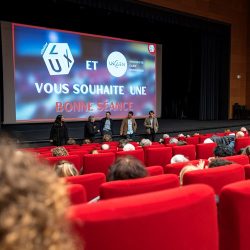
(38, 134)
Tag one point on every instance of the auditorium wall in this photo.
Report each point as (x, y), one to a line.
(234, 12)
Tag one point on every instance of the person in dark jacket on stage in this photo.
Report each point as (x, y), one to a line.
(106, 125)
(59, 132)
(91, 129)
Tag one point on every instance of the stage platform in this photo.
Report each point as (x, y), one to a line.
(38, 134)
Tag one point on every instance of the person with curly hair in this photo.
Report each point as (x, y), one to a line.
(33, 202)
(59, 151)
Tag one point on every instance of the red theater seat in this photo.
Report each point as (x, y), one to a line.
(77, 194)
(175, 219)
(234, 218)
(155, 170)
(204, 151)
(241, 143)
(175, 168)
(75, 159)
(91, 183)
(157, 156)
(192, 140)
(187, 150)
(94, 163)
(138, 153)
(247, 171)
(114, 189)
(240, 159)
(216, 177)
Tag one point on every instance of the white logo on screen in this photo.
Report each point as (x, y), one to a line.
(117, 64)
(58, 58)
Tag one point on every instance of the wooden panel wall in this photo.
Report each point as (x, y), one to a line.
(233, 12)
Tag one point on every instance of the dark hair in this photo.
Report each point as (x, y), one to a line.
(246, 150)
(151, 111)
(218, 162)
(223, 150)
(59, 118)
(108, 112)
(131, 112)
(127, 167)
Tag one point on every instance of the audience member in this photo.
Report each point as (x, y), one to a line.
(246, 151)
(107, 138)
(105, 147)
(181, 143)
(65, 168)
(145, 142)
(223, 150)
(59, 151)
(178, 158)
(173, 140)
(128, 147)
(127, 167)
(122, 143)
(94, 152)
(217, 161)
(71, 141)
(244, 130)
(186, 169)
(33, 204)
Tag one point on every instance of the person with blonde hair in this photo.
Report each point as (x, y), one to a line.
(33, 202)
(186, 169)
(59, 151)
(65, 168)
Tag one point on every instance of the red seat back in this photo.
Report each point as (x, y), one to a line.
(138, 153)
(94, 163)
(187, 150)
(157, 156)
(192, 140)
(91, 183)
(77, 194)
(176, 219)
(205, 150)
(241, 143)
(240, 159)
(114, 189)
(216, 177)
(234, 219)
(155, 170)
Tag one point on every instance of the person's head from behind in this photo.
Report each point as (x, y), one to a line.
(178, 158)
(65, 168)
(71, 141)
(59, 151)
(217, 161)
(127, 167)
(122, 143)
(108, 114)
(107, 138)
(186, 169)
(128, 147)
(94, 152)
(33, 203)
(130, 114)
(239, 134)
(145, 142)
(173, 140)
(246, 151)
(222, 150)
(105, 146)
(181, 143)
(59, 119)
(86, 141)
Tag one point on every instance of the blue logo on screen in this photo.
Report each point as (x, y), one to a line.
(58, 58)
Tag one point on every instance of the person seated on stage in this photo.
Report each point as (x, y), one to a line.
(107, 138)
(128, 147)
(34, 202)
(65, 168)
(127, 167)
(218, 161)
(59, 151)
(71, 141)
(105, 147)
(145, 142)
(178, 158)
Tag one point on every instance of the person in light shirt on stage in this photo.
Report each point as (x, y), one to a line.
(128, 126)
